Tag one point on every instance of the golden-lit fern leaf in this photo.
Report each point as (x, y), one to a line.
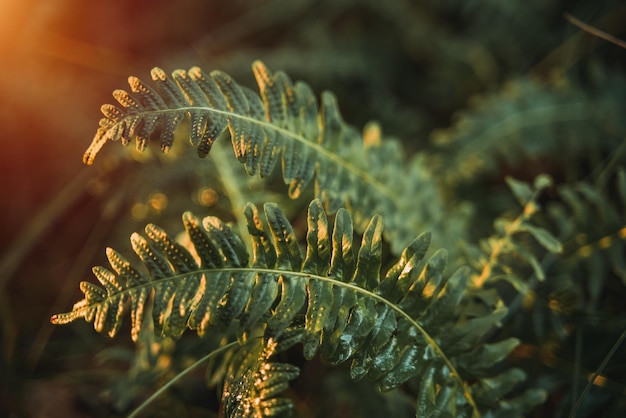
(252, 382)
(106, 306)
(285, 126)
(279, 126)
(404, 325)
(511, 253)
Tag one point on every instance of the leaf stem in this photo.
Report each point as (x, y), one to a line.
(595, 31)
(235, 196)
(606, 360)
(361, 173)
(179, 376)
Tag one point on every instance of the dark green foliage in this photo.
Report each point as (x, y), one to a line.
(506, 255)
(533, 121)
(588, 218)
(485, 96)
(559, 285)
(592, 222)
(405, 324)
(400, 322)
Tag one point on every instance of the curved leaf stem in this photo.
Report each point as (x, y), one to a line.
(235, 195)
(179, 376)
(360, 173)
(592, 379)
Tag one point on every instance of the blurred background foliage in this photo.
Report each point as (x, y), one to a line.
(485, 88)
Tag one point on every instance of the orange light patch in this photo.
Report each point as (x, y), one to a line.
(585, 251)
(599, 380)
(604, 242)
(139, 211)
(429, 290)
(207, 196)
(157, 202)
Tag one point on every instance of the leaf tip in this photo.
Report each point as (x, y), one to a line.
(158, 74)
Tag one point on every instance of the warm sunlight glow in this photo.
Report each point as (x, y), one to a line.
(585, 251)
(12, 18)
(429, 290)
(207, 196)
(604, 242)
(459, 255)
(157, 202)
(598, 380)
(139, 211)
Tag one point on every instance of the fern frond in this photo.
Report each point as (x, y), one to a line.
(283, 125)
(593, 224)
(532, 120)
(404, 325)
(492, 260)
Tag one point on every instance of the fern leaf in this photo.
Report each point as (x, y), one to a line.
(518, 122)
(320, 293)
(253, 383)
(499, 255)
(403, 327)
(594, 226)
(285, 126)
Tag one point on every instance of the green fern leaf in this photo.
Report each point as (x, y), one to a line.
(592, 223)
(253, 383)
(517, 123)
(498, 256)
(285, 126)
(404, 327)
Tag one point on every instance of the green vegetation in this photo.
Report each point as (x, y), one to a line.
(330, 269)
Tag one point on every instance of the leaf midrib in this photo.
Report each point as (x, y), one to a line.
(358, 172)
